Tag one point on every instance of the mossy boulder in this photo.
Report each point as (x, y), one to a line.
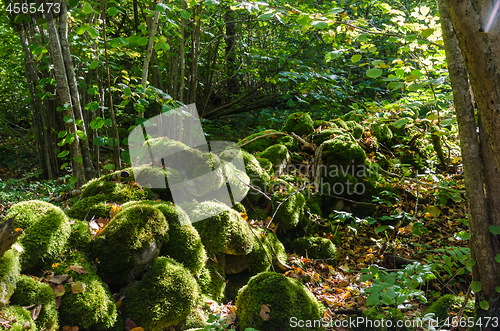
(259, 178)
(91, 207)
(165, 296)
(266, 165)
(382, 132)
(324, 124)
(155, 174)
(116, 192)
(46, 232)
(298, 123)
(355, 129)
(343, 150)
(239, 208)
(211, 281)
(87, 301)
(324, 135)
(10, 268)
(129, 243)
(30, 291)
(279, 157)
(257, 214)
(353, 115)
(20, 318)
(285, 297)
(316, 248)
(291, 204)
(260, 144)
(81, 237)
(266, 251)
(449, 305)
(226, 232)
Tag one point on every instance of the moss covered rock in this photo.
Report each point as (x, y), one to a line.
(291, 204)
(10, 268)
(129, 243)
(316, 248)
(46, 232)
(211, 281)
(165, 296)
(285, 297)
(148, 175)
(30, 291)
(260, 144)
(259, 178)
(116, 192)
(382, 132)
(449, 305)
(226, 232)
(81, 237)
(327, 134)
(324, 124)
(91, 207)
(355, 129)
(87, 301)
(298, 123)
(343, 150)
(279, 157)
(267, 249)
(353, 115)
(20, 318)
(373, 320)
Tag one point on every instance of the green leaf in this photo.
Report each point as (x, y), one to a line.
(87, 8)
(476, 286)
(68, 119)
(470, 262)
(63, 154)
(462, 235)
(94, 64)
(161, 7)
(374, 73)
(108, 122)
(81, 134)
(427, 32)
(64, 165)
(100, 141)
(497, 289)
(96, 123)
(366, 277)
(112, 11)
(495, 229)
(484, 305)
(320, 25)
(400, 123)
(265, 16)
(395, 85)
(497, 258)
(73, 179)
(109, 166)
(381, 228)
(411, 37)
(333, 55)
(211, 3)
(143, 41)
(356, 58)
(185, 14)
(373, 299)
(93, 33)
(81, 29)
(62, 134)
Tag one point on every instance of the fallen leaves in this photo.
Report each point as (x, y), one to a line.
(264, 313)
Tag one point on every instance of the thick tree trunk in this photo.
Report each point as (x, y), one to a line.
(471, 50)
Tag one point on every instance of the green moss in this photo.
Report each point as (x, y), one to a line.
(382, 132)
(10, 268)
(324, 135)
(298, 123)
(211, 281)
(165, 296)
(324, 124)
(19, 317)
(259, 178)
(372, 321)
(236, 180)
(148, 175)
(196, 319)
(129, 243)
(226, 232)
(256, 214)
(288, 142)
(266, 165)
(46, 232)
(340, 123)
(116, 192)
(353, 116)
(355, 129)
(382, 161)
(290, 210)
(94, 307)
(316, 248)
(93, 206)
(285, 297)
(449, 305)
(266, 247)
(239, 208)
(343, 149)
(81, 237)
(29, 292)
(277, 154)
(260, 144)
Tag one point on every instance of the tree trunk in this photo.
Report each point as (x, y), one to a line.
(471, 50)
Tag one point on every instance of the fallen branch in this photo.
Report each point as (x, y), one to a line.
(67, 196)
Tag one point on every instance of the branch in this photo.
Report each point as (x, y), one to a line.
(390, 174)
(8, 235)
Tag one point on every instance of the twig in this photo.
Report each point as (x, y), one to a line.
(261, 244)
(353, 201)
(277, 208)
(385, 172)
(461, 312)
(253, 188)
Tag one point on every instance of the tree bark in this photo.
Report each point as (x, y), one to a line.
(471, 50)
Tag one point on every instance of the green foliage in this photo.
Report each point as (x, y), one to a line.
(211, 281)
(449, 304)
(395, 288)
